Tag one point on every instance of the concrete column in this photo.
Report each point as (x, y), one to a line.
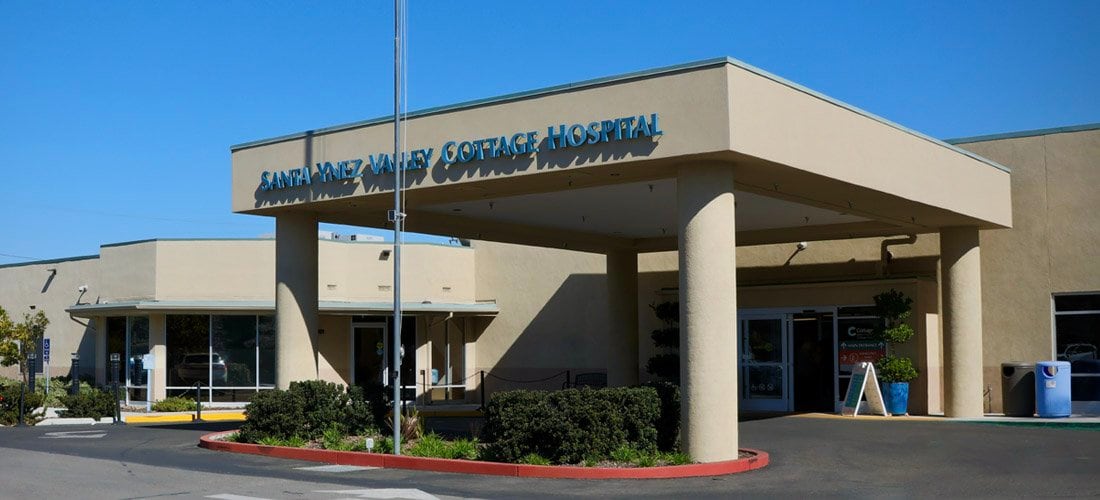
(296, 319)
(708, 312)
(158, 347)
(961, 287)
(622, 308)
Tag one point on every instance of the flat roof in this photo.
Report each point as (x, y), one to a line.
(1025, 133)
(480, 308)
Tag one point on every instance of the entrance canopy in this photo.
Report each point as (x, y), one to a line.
(593, 165)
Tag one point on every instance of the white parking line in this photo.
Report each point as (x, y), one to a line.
(74, 435)
(334, 468)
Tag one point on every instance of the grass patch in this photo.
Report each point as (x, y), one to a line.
(534, 459)
(293, 441)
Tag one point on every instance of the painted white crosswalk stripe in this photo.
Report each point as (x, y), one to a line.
(385, 493)
(230, 496)
(334, 468)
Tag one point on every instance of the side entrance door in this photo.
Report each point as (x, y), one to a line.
(765, 362)
(369, 354)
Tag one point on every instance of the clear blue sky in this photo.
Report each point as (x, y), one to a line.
(116, 117)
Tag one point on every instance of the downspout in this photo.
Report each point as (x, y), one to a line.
(884, 253)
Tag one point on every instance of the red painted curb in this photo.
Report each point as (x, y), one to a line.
(757, 461)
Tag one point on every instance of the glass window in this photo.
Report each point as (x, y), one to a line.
(233, 357)
(1082, 302)
(116, 344)
(1077, 340)
(137, 348)
(448, 363)
(268, 361)
(188, 339)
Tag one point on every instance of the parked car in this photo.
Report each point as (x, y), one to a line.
(1077, 352)
(200, 366)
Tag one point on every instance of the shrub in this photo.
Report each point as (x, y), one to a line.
(895, 369)
(323, 403)
(59, 386)
(533, 459)
(430, 445)
(9, 405)
(464, 449)
(572, 425)
(174, 403)
(366, 410)
(310, 408)
(273, 414)
(668, 422)
(95, 403)
(333, 438)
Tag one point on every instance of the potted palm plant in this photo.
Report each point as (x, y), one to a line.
(895, 372)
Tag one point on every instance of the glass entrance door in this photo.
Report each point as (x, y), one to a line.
(765, 363)
(369, 354)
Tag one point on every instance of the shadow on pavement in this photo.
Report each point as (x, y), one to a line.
(197, 426)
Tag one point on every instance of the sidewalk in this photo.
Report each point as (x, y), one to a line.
(1074, 421)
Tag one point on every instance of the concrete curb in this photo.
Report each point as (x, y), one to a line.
(759, 460)
(75, 421)
(184, 417)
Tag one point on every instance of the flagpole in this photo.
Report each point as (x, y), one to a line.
(398, 226)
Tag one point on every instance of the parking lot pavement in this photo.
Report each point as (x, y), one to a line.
(820, 457)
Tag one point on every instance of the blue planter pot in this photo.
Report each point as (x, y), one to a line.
(896, 397)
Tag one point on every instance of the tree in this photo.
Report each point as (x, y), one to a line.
(666, 364)
(25, 333)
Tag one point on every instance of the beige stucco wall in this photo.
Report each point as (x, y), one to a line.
(127, 271)
(214, 269)
(1054, 246)
(245, 270)
(22, 286)
(553, 307)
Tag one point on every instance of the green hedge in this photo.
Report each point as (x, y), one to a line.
(94, 403)
(175, 403)
(307, 409)
(571, 426)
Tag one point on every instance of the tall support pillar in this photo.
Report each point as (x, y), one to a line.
(708, 312)
(622, 305)
(960, 261)
(296, 319)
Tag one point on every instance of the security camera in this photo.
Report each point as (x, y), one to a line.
(82, 288)
(802, 245)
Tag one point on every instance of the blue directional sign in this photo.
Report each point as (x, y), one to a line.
(46, 350)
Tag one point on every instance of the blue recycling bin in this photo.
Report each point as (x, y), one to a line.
(1052, 389)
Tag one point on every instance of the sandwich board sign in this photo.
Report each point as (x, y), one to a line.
(863, 381)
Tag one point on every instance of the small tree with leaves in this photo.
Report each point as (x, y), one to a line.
(895, 309)
(18, 339)
(666, 363)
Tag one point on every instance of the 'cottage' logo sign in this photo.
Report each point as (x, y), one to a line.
(466, 151)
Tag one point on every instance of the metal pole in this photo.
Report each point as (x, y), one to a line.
(398, 222)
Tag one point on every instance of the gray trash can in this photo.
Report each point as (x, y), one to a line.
(1018, 389)
(1052, 389)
